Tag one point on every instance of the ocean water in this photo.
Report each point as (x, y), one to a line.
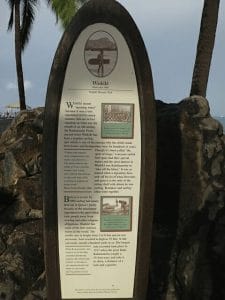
(222, 121)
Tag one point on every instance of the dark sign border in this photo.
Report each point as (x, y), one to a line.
(109, 12)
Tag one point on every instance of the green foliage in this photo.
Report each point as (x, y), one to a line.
(65, 9)
(27, 12)
(28, 15)
(11, 4)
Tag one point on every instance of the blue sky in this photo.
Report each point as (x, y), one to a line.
(169, 29)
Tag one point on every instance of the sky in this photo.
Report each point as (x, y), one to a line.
(170, 31)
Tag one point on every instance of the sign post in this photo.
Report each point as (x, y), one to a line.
(99, 159)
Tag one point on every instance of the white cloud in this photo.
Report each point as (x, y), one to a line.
(13, 86)
(27, 85)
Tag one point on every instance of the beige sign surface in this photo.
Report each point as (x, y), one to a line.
(98, 168)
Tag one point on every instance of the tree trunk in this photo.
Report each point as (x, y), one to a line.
(205, 47)
(18, 55)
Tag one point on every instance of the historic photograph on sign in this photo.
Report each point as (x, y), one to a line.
(100, 54)
(116, 213)
(117, 121)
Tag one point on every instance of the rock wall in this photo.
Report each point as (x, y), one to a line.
(188, 247)
(4, 123)
(21, 246)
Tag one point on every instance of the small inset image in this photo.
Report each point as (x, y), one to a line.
(116, 213)
(100, 54)
(117, 121)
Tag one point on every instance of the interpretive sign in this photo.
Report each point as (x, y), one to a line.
(99, 159)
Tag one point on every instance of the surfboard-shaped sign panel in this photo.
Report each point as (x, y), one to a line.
(99, 159)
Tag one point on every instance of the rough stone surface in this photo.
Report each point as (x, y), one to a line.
(4, 123)
(21, 244)
(188, 248)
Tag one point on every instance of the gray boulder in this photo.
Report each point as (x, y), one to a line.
(21, 242)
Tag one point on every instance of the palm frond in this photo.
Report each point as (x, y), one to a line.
(11, 4)
(28, 14)
(65, 10)
(10, 23)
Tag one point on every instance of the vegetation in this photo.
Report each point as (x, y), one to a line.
(65, 9)
(22, 14)
(205, 47)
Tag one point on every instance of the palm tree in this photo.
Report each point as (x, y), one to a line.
(22, 17)
(205, 47)
(65, 9)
